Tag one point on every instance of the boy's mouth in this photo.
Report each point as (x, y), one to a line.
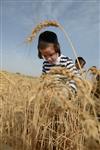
(52, 61)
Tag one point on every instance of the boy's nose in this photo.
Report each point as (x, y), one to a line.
(49, 59)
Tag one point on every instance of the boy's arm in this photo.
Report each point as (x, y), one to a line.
(70, 65)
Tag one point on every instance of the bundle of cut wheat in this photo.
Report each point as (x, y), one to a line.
(49, 115)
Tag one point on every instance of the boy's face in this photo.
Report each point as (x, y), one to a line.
(49, 54)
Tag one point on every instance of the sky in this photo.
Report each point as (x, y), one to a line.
(79, 18)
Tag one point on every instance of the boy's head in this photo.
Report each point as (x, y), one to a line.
(81, 61)
(48, 46)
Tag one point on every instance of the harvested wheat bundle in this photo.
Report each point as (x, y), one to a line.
(95, 73)
(46, 115)
(95, 79)
(94, 70)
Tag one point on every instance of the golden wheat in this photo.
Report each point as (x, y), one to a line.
(40, 26)
(43, 113)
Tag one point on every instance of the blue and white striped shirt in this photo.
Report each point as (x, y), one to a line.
(64, 62)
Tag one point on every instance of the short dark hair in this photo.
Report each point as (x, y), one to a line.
(80, 59)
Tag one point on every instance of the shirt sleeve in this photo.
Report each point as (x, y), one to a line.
(70, 65)
(43, 69)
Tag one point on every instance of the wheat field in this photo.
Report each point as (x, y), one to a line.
(42, 113)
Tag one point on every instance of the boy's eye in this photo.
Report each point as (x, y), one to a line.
(47, 56)
(51, 54)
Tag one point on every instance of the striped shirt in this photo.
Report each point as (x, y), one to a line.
(64, 62)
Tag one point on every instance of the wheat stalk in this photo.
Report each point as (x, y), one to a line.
(94, 70)
(39, 27)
